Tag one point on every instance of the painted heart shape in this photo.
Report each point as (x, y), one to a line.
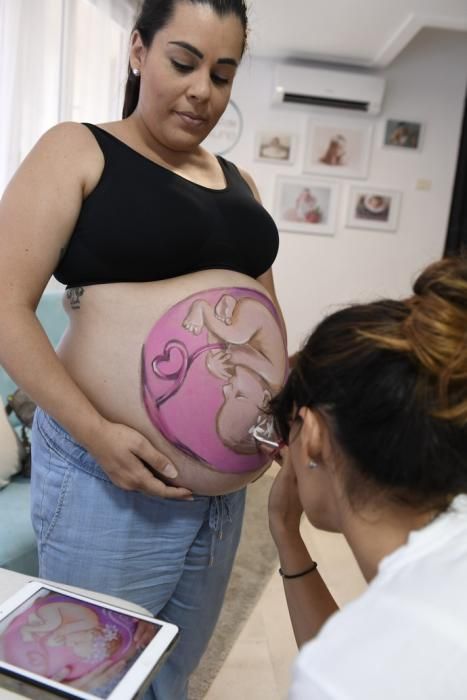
(172, 363)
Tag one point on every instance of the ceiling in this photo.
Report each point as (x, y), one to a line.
(368, 33)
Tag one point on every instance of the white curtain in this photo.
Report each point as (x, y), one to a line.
(30, 35)
(95, 59)
(10, 14)
(59, 60)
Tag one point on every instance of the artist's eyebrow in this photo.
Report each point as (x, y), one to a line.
(197, 52)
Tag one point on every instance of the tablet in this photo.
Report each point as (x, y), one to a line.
(54, 643)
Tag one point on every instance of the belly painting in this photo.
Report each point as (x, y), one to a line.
(210, 365)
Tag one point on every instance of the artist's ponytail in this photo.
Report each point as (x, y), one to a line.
(433, 333)
(437, 331)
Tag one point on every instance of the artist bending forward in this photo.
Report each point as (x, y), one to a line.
(375, 416)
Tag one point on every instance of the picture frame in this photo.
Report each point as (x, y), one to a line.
(306, 205)
(277, 147)
(373, 207)
(338, 147)
(402, 134)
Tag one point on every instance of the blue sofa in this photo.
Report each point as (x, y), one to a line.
(17, 543)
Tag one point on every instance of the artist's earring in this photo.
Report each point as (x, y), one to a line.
(312, 464)
(136, 72)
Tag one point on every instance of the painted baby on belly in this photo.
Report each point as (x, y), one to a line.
(210, 365)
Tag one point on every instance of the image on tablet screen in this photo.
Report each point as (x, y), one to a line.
(73, 641)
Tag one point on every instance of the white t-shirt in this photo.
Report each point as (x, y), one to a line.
(405, 638)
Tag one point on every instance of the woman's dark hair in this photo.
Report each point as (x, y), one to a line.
(154, 15)
(391, 379)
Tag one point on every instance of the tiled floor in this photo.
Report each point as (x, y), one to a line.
(259, 663)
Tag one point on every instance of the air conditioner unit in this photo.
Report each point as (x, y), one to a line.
(328, 88)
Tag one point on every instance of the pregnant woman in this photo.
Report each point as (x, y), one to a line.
(142, 444)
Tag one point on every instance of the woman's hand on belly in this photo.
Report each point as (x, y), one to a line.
(123, 452)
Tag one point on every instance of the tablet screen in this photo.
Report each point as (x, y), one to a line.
(73, 641)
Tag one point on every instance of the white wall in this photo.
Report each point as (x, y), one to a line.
(313, 273)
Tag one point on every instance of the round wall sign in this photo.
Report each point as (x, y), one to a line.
(226, 134)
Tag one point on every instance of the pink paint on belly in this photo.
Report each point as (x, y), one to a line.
(182, 397)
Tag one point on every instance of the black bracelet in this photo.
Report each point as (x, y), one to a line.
(301, 573)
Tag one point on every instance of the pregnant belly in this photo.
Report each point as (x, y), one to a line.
(195, 373)
(210, 365)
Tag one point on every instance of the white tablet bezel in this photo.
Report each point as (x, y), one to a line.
(136, 677)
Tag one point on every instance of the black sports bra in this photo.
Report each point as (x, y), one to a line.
(143, 222)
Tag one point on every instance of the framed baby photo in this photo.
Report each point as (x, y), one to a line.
(402, 134)
(373, 208)
(339, 147)
(276, 147)
(306, 205)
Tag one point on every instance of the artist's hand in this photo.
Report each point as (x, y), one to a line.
(131, 462)
(285, 509)
(220, 364)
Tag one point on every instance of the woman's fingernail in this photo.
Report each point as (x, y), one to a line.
(170, 471)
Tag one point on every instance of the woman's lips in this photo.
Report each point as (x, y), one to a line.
(191, 120)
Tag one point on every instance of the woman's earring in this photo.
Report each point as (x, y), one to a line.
(136, 72)
(312, 464)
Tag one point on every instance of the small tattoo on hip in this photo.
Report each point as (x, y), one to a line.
(73, 295)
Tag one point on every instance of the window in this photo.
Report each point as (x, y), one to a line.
(59, 60)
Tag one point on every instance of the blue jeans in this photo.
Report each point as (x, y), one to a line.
(172, 557)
